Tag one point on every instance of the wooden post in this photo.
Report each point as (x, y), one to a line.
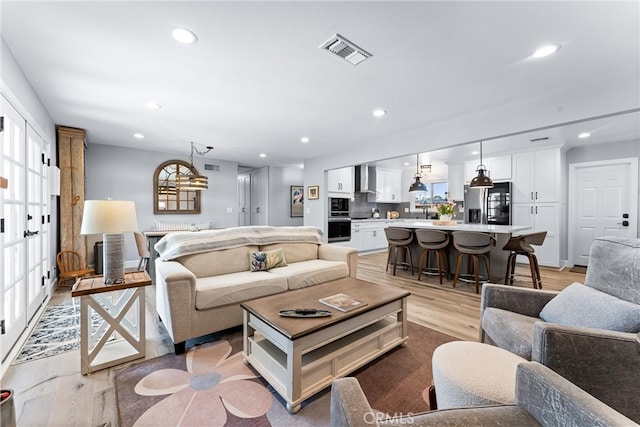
(71, 145)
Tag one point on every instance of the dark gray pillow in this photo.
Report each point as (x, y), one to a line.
(580, 305)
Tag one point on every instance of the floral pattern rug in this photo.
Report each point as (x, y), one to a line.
(210, 385)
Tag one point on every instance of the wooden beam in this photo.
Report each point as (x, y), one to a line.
(4, 182)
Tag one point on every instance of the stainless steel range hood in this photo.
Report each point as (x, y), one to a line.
(365, 179)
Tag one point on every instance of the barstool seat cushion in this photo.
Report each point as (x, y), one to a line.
(513, 331)
(473, 374)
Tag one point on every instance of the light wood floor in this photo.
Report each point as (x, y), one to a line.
(51, 391)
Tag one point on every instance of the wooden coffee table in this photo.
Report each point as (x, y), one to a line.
(301, 356)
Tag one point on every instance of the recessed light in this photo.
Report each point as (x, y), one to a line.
(304, 139)
(138, 135)
(152, 105)
(184, 36)
(584, 135)
(474, 152)
(379, 112)
(263, 155)
(546, 50)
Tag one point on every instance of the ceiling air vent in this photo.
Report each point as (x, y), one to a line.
(346, 50)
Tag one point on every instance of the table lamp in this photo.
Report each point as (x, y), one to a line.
(112, 218)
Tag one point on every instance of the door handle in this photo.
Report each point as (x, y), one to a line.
(624, 223)
(28, 233)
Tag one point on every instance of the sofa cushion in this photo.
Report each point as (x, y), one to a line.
(233, 288)
(580, 305)
(510, 331)
(215, 263)
(313, 272)
(265, 261)
(295, 252)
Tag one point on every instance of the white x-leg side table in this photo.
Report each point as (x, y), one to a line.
(120, 310)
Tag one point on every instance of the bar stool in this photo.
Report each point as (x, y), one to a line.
(399, 239)
(521, 245)
(436, 241)
(475, 245)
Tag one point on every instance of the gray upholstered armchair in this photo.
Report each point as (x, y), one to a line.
(586, 333)
(542, 398)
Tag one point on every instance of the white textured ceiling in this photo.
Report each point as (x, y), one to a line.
(256, 81)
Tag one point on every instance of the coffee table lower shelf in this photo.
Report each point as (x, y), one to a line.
(299, 368)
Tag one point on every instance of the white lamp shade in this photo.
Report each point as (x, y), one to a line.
(108, 216)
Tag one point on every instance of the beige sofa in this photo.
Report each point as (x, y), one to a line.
(201, 278)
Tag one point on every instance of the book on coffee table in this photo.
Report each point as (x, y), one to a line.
(342, 302)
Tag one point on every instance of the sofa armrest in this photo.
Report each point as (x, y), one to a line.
(603, 363)
(349, 406)
(175, 298)
(528, 302)
(340, 253)
(553, 400)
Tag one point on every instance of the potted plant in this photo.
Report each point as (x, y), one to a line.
(445, 210)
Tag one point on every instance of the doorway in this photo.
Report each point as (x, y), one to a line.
(253, 191)
(603, 201)
(24, 227)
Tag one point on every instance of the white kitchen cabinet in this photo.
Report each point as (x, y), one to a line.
(455, 183)
(498, 168)
(541, 217)
(388, 185)
(368, 235)
(340, 181)
(537, 176)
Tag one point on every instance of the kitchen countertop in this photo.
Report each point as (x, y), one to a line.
(483, 228)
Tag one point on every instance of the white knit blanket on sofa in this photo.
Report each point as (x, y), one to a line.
(175, 245)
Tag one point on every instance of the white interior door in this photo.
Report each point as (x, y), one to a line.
(13, 290)
(244, 202)
(603, 201)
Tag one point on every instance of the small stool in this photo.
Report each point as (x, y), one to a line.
(474, 245)
(473, 374)
(521, 245)
(399, 240)
(437, 241)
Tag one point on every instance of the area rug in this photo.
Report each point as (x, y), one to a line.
(211, 386)
(57, 331)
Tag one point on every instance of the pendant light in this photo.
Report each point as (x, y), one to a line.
(481, 181)
(417, 185)
(193, 181)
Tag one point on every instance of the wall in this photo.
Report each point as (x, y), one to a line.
(127, 174)
(280, 181)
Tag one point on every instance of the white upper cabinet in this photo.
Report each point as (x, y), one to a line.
(498, 168)
(388, 185)
(456, 182)
(537, 176)
(340, 181)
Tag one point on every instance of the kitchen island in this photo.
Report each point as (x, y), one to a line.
(497, 256)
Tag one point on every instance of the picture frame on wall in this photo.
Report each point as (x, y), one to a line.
(297, 201)
(313, 192)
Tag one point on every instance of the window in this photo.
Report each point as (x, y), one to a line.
(167, 197)
(437, 192)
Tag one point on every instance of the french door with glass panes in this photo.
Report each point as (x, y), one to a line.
(24, 233)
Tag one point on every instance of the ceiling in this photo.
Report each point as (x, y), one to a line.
(257, 82)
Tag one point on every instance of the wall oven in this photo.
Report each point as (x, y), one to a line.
(339, 223)
(339, 229)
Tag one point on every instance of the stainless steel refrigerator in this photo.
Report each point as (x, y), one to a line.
(488, 205)
(475, 205)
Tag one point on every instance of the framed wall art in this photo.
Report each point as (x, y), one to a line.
(313, 192)
(297, 201)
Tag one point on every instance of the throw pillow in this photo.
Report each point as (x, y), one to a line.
(580, 305)
(264, 261)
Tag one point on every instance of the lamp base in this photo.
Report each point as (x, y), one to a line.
(113, 257)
